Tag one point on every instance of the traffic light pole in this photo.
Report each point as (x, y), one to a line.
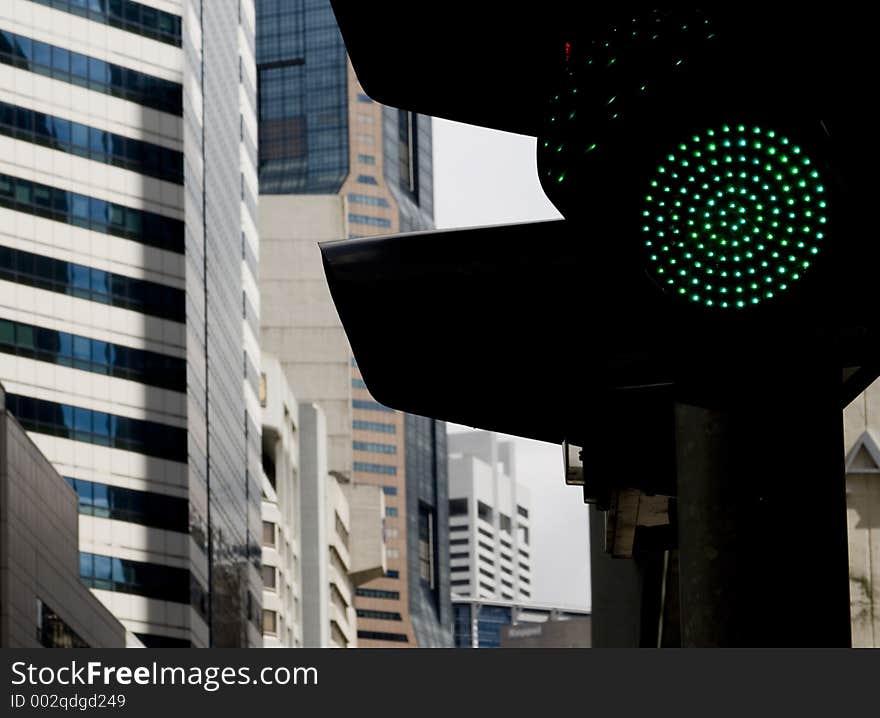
(762, 515)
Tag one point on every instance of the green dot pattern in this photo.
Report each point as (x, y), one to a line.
(734, 217)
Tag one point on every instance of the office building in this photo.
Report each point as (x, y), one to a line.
(481, 623)
(43, 603)
(128, 300)
(489, 520)
(334, 164)
(282, 527)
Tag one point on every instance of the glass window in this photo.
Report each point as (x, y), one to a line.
(149, 16)
(100, 353)
(484, 512)
(82, 420)
(79, 135)
(270, 619)
(79, 68)
(42, 54)
(86, 565)
(25, 337)
(132, 222)
(99, 71)
(60, 60)
(101, 425)
(132, 13)
(81, 349)
(84, 494)
(7, 332)
(79, 277)
(97, 142)
(458, 507)
(42, 197)
(80, 206)
(103, 568)
(62, 130)
(268, 576)
(504, 522)
(101, 499)
(97, 211)
(268, 533)
(23, 192)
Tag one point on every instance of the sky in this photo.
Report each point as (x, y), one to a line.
(484, 177)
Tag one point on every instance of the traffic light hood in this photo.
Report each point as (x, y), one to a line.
(519, 328)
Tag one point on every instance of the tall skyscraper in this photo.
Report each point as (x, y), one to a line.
(489, 520)
(128, 296)
(365, 169)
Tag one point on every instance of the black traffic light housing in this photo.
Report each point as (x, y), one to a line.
(518, 329)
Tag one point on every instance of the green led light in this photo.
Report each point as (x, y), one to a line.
(753, 185)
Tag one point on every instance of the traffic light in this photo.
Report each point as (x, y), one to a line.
(716, 175)
(695, 323)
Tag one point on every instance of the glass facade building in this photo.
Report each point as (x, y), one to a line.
(320, 134)
(303, 96)
(128, 300)
(478, 623)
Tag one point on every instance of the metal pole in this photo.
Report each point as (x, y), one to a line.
(762, 516)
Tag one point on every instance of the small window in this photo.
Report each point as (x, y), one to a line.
(268, 533)
(505, 523)
(268, 577)
(484, 512)
(270, 622)
(458, 507)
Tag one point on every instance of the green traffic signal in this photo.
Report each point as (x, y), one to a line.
(734, 217)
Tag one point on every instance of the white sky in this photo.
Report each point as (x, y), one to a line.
(484, 177)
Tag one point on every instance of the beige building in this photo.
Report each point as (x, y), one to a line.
(862, 441)
(43, 602)
(334, 164)
(299, 325)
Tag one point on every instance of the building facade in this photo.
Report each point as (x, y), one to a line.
(342, 539)
(128, 296)
(335, 164)
(862, 444)
(282, 528)
(481, 623)
(43, 603)
(489, 520)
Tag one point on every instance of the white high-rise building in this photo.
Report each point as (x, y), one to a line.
(129, 318)
(489, 520)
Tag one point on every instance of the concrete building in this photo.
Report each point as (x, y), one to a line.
(489, 520)
(282, 582)
(483, 623)
(342, 539)
(333, 164)
(862, 439)
(128, 299)
(42, 600)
